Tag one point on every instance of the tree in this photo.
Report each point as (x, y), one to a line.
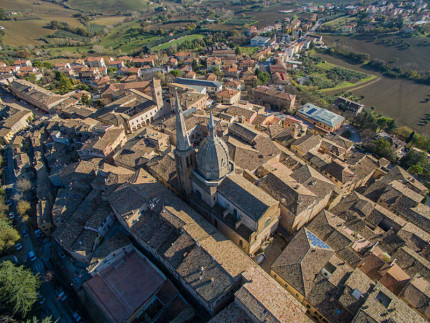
(420, 142)
(383, 148)
(176, 73)
(3, 206)
(382, 122)
(23, 184)
(18, 288)
(8, 235)
(23, 207)
(65, 85)
(391, 125)
(85, 99)
(413, 157)
(195, 65)
(23, 54)
(416, 170)
(263, 77)
(410, 137)
(366, 120)
(2, 14)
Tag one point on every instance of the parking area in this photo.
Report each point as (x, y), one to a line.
(271, 249)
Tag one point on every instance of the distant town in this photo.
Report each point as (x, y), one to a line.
(227, 184)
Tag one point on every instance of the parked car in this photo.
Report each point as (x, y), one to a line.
(24, 233)
(9, 202)
(41, 299)
(32, 256)
(38, 233)
(18, 246)
(61, 295)
(11, 215)
(77, 317)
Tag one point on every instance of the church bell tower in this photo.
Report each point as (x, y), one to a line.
(185, 155)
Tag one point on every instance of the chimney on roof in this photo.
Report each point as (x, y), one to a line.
(393, 262)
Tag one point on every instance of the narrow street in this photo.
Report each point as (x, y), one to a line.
(52, 306)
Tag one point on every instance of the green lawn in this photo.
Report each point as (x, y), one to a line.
(70, 49)
(326, 66)
(339, 22)
(249, 50)
(177, 42)
(344, 84)
(127, 37)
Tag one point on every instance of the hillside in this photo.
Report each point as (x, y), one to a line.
(107, 6)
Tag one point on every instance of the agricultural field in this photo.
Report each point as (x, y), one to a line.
(38, 15)
(339, 22)
(176, 42)
(403, 100)
(249, 50)
(269, 15)
(108, 6)
(126, 37)
(108, 20)
(415, 57)
(326, 77)
(241, 22)
(351, 78)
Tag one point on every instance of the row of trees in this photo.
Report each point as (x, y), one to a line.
(368, 120)
(61, 25)
(8, 234)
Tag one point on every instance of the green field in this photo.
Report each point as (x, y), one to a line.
(126, 37)
(347, 85)
(339, 22)
(108, 6)
(29, 32)
(241, 22)
(176, 42)
(343, 85)
(249, 50)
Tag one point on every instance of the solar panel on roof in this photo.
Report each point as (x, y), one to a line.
(312, 111)
(315, 241)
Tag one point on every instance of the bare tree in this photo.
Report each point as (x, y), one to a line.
(23, 207)
(17, 197)
(23, 184)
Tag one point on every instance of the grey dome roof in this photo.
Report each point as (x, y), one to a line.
(213, 161)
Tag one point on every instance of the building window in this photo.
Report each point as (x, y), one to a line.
(267, 223)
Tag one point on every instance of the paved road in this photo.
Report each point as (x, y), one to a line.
(319, 22)
(53, 307)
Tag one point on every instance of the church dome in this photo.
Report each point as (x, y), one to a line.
(213, 161)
